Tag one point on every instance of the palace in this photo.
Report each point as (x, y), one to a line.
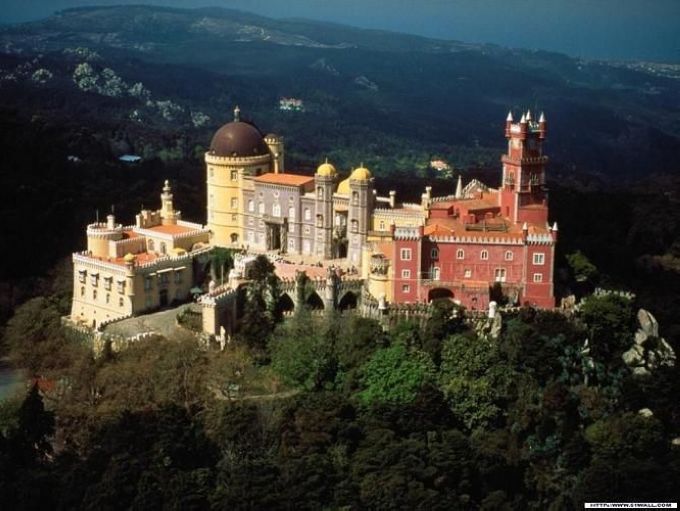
(458, 246)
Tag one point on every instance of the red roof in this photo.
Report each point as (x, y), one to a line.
(171, 229)
(284, 179)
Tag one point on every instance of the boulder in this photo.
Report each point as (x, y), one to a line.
(645, 412)
(633, 358)
(640, 336)
(648, 323)
(641, 371)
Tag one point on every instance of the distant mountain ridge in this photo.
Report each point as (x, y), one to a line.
(391, 99)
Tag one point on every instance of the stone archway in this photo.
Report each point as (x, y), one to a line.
(348, 301)
(286, 303)
(439, 293)
(314, 301)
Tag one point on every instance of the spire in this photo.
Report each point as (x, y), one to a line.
(525, 227)
(509, 118)
(528, 115)
(237, 114)
(542, 117)
(459, 188)
(523, 120)
(554, 227)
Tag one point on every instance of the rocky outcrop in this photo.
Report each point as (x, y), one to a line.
(649, 351)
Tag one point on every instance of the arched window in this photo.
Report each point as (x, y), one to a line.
(319, 192)
(276, 210)
(151, 246)
(508, 255)
(460, 254)
(291, 212)
(381, 225)
(484, 256)
(434, 253)
(355, 198)
(308, 214)
(251, 206)
(260, 208)
(163, 247)
(355, 225)
(319, 220)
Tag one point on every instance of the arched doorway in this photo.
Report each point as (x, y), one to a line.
(314, 301)
(439, 293)
(286, 304)
(348, 301)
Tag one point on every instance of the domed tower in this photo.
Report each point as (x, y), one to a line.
(238, 152)
(324, 182)
(361, 203)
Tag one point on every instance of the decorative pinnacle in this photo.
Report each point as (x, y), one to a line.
(509, 118)
(542, 117)
(523, 120)
(166, 186)
(528, 115)
(525, 227)
(237, 114)
(554, 227)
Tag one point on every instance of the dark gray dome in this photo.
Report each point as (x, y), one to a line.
(238, 138)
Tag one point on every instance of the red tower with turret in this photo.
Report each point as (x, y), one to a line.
(523, 194)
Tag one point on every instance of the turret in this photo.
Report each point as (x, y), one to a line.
(508, 124)
(542, 127)
(168, 214)
(459, 186)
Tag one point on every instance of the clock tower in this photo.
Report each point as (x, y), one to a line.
(523, 194)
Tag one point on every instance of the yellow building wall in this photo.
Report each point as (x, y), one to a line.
(225, 195)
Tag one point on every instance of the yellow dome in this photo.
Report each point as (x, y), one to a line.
(343, 187)
(129, 257)
(361, 174)
(326, 169)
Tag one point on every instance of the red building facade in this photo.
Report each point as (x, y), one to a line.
(483, 238)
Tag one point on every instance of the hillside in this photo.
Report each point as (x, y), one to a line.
(391, 100)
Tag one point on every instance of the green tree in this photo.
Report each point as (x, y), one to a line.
(475, 379)
(609, 320)
(395, 375)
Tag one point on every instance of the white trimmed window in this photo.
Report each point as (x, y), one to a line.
(405, 254)
(260, 208)
(468, 274)
(291, 212)
(405, 288)
(435, 273)
(499, 274)
(460, 254)
(308, 214)
(276, 210)
(484, 255)
(538, 277)
(405, 274)
(234, 175)
(82, 275)
(508, 255)
(434, 253)
(251, 206)
(539, 258)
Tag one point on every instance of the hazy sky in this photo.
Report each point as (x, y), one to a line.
(619, 29)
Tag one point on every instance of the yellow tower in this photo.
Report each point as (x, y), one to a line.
(238, 152)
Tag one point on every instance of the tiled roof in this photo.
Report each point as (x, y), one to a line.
(284, 179)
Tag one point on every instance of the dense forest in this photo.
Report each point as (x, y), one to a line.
(336, 413)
